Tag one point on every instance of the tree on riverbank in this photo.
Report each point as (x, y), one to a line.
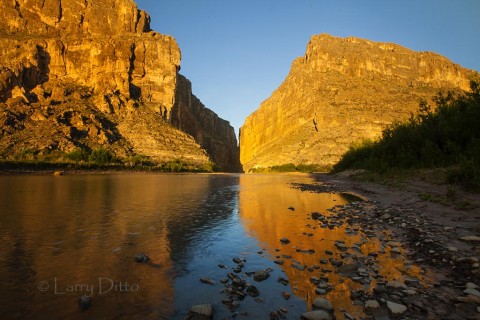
(445, 136)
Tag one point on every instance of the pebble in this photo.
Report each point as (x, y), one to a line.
(371, 305)
(285, 295)
(201, 311)
(261, 275)
(284, 241)
(322, 303)
(470, 238)
(471, 291)
(141, 258)
(316, 315)
(283, 281)
(297, 266)
(471, 285)
(207, 281)
(85, 302)
(396, 308)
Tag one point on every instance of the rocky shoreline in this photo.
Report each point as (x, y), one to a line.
(437, 246)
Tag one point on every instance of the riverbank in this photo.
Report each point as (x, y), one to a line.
(438, 227)
(61, 168)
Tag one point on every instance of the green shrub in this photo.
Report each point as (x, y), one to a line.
(101, 156)
(446, 137)
(78, 155)
(174, 166)
(140, 160)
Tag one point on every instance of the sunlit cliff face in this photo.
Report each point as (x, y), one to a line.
(265, 213)
(341, 92)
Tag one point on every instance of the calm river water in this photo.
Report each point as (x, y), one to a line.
(64, 237)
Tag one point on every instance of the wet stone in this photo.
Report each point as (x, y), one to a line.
(322, 303)
(284, 241)
(316, 315)
(285, 295)
(282, 280)
(261, 275)
(207, 281)
(200, 312)
(85, 302)
(298, 266)
(252, 291)
(141, 258)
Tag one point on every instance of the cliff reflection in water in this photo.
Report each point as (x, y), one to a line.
(76, 230)
(264, 211)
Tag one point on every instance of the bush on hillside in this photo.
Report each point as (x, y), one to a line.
(447, 136)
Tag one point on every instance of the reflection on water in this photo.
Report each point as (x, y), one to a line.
(63, 237)
(272, 211)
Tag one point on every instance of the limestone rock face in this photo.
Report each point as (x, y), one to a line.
(87, 74)
(342, 91)
(214, 134)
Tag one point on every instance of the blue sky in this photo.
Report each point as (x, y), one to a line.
(236, 53)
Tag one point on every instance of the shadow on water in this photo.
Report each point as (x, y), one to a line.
(63, 237)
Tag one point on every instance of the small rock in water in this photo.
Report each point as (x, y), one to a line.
(85, 302)
(252, 291)
(280, 262)
(237, 260)
(261, 275)
(297, 266)
(284, 241)
(316, 315)
(285, 295)
(273, 315)
(282, 280)
(141, 258)
(207, 281)
(200, 312)
(291, 208)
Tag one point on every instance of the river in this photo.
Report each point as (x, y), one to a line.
(74, 235)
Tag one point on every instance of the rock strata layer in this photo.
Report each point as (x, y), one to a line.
(342, 91)
(89, 74)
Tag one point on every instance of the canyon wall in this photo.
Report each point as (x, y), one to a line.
(342, 91)
(89, 74)
(214, 134)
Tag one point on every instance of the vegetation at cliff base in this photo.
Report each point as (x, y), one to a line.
(290, 167)
(96, 159)
(445, 136)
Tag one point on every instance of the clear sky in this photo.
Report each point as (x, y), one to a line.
(237, 52)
